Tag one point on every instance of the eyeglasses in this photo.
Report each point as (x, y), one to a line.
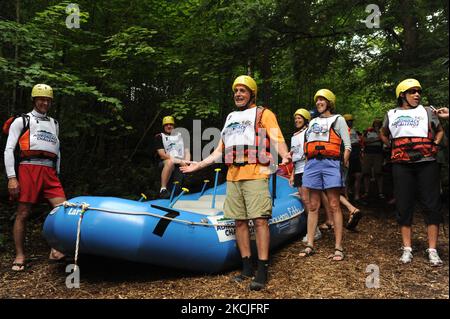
(413, 91)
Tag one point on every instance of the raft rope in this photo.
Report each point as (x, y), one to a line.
(85, 207)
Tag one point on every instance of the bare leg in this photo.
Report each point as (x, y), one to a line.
(243, 237)
(344, 201)
(433, 233)
(262, 238)
(304, 195)
(22, 214)
(166, 172)
(55, 254)
(406, 235)
(333, 195)
(313, 215)
(328, 210)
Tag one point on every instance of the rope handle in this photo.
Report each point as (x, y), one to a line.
(182, 221)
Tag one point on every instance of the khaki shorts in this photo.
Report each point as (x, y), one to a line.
(374, 161)
(248, 199)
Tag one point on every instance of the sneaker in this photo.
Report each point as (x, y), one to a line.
(164, 194)
(407, 255)
(317, 236)
(434, 258)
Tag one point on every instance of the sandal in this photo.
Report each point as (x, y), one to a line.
(308, 251)
(338, 255)
(353, 219)
(326, 226)
(16, 266)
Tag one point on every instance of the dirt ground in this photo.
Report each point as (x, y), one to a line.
(377, 242)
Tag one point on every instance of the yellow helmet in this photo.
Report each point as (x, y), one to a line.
(168, 120)
(247, 81)
(348, 117)
(328, 95)
(303, 112)
(42, 90)
(406, 85)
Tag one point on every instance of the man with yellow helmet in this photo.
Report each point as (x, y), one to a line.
(413, 132)
(327, 143)
(171, 151)
(37, 175)
(246, 136)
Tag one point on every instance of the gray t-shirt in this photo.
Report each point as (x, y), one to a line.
(432, 118)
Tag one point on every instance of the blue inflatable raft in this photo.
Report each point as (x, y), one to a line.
(190, 235)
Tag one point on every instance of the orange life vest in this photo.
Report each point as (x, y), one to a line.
(412, 148)
(327, 146)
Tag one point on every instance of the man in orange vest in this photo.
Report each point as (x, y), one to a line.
(245, 142)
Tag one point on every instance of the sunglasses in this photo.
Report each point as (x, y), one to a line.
(413, 91)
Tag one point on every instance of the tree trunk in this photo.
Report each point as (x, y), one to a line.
(266, 73)
(409, 22)
(16, 60)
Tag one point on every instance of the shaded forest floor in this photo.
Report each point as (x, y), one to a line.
(376, 242)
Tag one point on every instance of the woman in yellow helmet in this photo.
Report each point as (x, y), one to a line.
(413, 132)
(327, 143)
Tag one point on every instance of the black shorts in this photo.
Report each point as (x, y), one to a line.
(354, 165)
(298, 180)
(413, 183)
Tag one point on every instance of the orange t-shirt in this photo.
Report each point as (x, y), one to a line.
(257, 171)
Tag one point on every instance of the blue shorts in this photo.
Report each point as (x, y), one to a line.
(323, 174)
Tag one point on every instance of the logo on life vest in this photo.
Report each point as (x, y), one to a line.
(407, 121)
(317, 128)
(237, 127)
(45, 136)
(296, 149)
(171, 146)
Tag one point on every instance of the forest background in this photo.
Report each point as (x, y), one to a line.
(126, 64)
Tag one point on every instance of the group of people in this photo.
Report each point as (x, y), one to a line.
(321, 152)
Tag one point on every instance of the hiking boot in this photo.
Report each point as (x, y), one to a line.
(407, 255)
(434, 258)
(164, 194)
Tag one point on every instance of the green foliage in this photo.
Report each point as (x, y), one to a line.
(131, 59)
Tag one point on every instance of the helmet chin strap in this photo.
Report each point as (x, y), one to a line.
(247, 105)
